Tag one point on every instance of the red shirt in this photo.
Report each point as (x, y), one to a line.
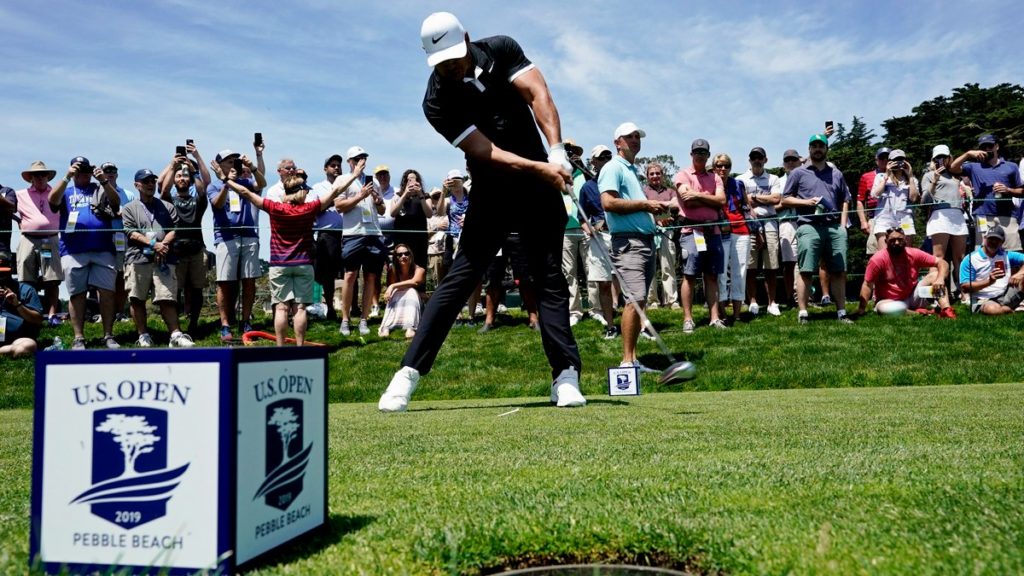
(867, 180)
(291, 232)
(896, 279)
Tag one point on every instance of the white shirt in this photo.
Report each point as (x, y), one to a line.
(361, 219)
(763, 185)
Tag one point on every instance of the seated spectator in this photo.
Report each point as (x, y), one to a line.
(892, 276)
(291, 245)
(21, 313)
(38, 253)
(985, 275)
(149, 224)
(405, 279)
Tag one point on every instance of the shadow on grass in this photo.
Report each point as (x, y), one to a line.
(605, 563)
(337, 527)
(542, 404)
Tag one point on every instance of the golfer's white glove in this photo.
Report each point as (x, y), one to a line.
(558, 157)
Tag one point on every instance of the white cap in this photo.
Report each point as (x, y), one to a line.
(455, 173)
(627, 128)
(897, 153)
(353, 152)
(598, 150)
(443, 38)
(940, 150)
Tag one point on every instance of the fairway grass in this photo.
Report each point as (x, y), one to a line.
(909, 480)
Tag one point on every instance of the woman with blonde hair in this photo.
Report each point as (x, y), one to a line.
(732, 282)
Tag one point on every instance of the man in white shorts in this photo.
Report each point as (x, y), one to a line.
(787, 225)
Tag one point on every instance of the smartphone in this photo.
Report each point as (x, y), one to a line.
(189, 142)
(179, 151)
(238, 166)
(828, 125)
(999, 265)
(257, 139)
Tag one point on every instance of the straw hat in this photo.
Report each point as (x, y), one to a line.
(36, 168)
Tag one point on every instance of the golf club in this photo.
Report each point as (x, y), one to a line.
(677, 371)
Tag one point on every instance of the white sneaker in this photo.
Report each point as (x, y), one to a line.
(646, 335)
(565, 390)
(374, 311)
(364, 330)
(399, 391)
(597, 316)
(502, 309)
(754, 309)
(573, 320)
(181, 340)
(144, 341)
(344, 330)
(773, 309)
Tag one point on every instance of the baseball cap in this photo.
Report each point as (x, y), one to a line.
(354, 152)
(883, 151)
(443, 38)
(940, 150)
(381, 168)
(818, 138)
(435, 191)
(996, 232)
(224, 155)
(897, 153)
(700, 144)
(144, 174)
(81, 160)
(598, 150)
(455, 173)
(627, 128)
(5, 262)
(332, 158)
(987, 139)
(791, 153)
(108, 166)
(757, 150)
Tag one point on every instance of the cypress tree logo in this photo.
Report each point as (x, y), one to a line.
(131, 482)
(286, 460)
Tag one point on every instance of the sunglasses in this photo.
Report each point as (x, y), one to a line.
(726, 166)
(402, 254)
(791, 159)
(987, 147)
(110, 170)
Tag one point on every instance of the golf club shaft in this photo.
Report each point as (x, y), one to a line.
(602, 250)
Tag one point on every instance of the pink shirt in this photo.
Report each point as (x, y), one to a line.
(706, 183)
(896, 279)
(37, 218)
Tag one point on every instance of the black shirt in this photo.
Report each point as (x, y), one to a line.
(188, 239)
(486, 101)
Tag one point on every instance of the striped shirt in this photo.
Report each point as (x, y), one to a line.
(291, 232)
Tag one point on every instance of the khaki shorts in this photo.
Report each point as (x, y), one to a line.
(787, 240)
(872, 244)
(33, 268)
(288, 283)
(1009, 224)
(191, 271)
(767, 258)
(599, 269)
(139, 278)
(238, 258)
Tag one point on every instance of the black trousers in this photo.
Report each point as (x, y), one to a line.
(489, 220)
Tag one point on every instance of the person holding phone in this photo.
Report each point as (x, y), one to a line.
(21, 313)
(947, 227)
(995, 182)
(986, 275)
(895, 191)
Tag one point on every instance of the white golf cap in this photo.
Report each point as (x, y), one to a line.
(598, 150)
(940, 150)
(443, 38)
(354, 151)
(627, 128)
(455, 173)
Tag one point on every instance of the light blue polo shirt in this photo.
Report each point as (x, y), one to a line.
(620, 176)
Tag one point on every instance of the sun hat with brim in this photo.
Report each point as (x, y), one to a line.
(38, 167)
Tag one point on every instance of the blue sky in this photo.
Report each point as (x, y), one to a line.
(129, 81)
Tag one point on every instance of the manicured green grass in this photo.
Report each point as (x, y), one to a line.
(917, 480)
(765, 353)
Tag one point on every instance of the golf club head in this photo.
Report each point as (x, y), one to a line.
(678, 372)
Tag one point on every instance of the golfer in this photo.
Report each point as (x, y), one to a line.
(483, 98)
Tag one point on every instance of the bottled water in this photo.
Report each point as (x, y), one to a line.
(57, 344)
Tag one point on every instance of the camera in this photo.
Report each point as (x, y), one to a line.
(900, 164)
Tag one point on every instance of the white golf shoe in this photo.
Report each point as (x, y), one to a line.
(565, 390)
(399, 391)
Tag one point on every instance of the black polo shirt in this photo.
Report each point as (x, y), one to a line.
(487, 101)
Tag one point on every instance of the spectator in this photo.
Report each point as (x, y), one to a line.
(866, 203)
(986, 275)
(895, 191)
(993, 181)
(382, 174)
(631, 223)
(946, 227)
(235, 237)
(787, 226)
(701, 198)
(150, 224)
(599, 271)
(405, 280)
(732, 281)
(327, 263)
(892, 275)
(574, 242)
(659, 188)
(87, 244)
(510, 256)
(8, 214)
(437, 228)
(362, 245)
(189, 248)
(291, 245)
(410, 208)
(38, 253)
(454, 205)
(764, 245)
(285, 168)
(821, 198)
(21, 313)
(120, 243)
